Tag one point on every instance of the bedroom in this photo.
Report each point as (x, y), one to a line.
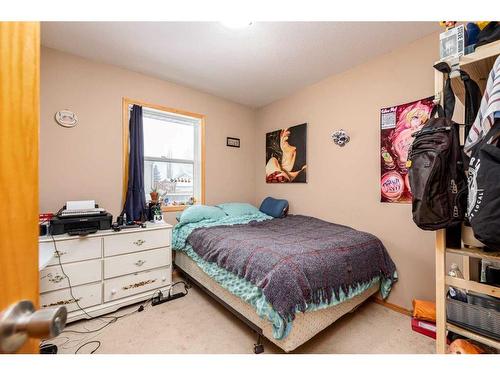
(182, 159)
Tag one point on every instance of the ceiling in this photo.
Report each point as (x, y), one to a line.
(253, 66)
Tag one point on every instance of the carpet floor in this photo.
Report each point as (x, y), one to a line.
(196, 324)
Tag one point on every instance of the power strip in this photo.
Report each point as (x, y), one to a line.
(159, 299)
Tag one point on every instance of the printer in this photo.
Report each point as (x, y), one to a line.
(80, 218)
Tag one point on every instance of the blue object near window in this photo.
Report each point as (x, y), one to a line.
(135, 198)
(274, 207)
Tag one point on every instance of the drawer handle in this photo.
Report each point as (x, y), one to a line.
(139, 284)
(66, 302)
(59, 254)
(139, 242)
(55, 279)
(140, 262)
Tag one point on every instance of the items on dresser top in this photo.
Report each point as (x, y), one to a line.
(80, 218)
(80, 208)
(44, 223)
(104, 271)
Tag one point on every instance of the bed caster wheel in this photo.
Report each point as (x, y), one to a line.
(258, 348)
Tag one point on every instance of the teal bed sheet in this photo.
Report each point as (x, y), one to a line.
(245, 290)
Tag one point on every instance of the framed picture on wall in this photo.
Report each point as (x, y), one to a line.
(286, 155)
(232, 142)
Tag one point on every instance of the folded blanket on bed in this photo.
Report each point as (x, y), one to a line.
(297, 260)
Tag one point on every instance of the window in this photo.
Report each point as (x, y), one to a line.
(173, 155)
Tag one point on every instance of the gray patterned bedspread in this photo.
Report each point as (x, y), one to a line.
(297, 260)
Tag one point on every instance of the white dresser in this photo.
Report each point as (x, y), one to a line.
(107, 269)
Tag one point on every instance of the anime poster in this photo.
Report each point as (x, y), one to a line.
(286, 155)
(397, 125)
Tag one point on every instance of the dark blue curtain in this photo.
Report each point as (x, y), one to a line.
(136, 199)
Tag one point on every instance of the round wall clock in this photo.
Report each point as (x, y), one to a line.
(66, 118)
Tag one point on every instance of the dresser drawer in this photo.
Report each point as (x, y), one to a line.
(125, 286)
(136, 262)
(86, 295)
(136, 241)
(52, 278)
(74, 250)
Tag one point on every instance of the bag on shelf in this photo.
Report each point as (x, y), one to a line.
(437, 175)
(490, 34)
(483, 210)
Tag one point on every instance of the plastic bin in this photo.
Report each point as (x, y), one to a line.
(481, 314)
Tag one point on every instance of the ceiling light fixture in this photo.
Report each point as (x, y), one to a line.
(236, 24)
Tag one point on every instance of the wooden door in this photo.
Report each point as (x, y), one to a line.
(19, 118)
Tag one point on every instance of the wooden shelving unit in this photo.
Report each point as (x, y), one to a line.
(477, 65)
(442, 283)
(474, 336)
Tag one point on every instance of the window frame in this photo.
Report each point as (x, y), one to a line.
(126, 103)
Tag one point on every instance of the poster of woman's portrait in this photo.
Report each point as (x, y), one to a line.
(286, 155)
(397, 124)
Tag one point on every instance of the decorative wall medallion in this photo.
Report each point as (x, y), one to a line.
(341, 138)
(66, 118)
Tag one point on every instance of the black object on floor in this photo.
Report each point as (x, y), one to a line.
(259, 347)
(159, 299)
(48, 349)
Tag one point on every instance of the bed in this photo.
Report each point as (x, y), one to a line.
(287, 279)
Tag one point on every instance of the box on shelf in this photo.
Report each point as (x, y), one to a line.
(480, 314)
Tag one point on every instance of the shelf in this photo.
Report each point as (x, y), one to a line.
(474, 286)
(174, 208)
(475, 252)
(474, 336)
(490, 50)
(478, 65)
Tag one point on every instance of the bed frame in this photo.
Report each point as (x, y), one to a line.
(305, 326)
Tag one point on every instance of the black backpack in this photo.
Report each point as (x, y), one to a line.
(436, 161)
(437, 174)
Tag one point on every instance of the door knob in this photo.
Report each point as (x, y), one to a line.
(20, 321)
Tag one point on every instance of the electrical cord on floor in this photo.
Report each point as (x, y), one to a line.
(90, 342)
(114, 319)
(186, 287)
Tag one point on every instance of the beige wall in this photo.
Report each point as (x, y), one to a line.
(343, 183)
(86, 162)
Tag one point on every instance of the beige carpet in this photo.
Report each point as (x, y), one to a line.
(198, 324)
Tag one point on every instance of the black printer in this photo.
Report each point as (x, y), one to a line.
(80, 218)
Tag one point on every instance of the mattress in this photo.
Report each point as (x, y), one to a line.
(305, 326)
